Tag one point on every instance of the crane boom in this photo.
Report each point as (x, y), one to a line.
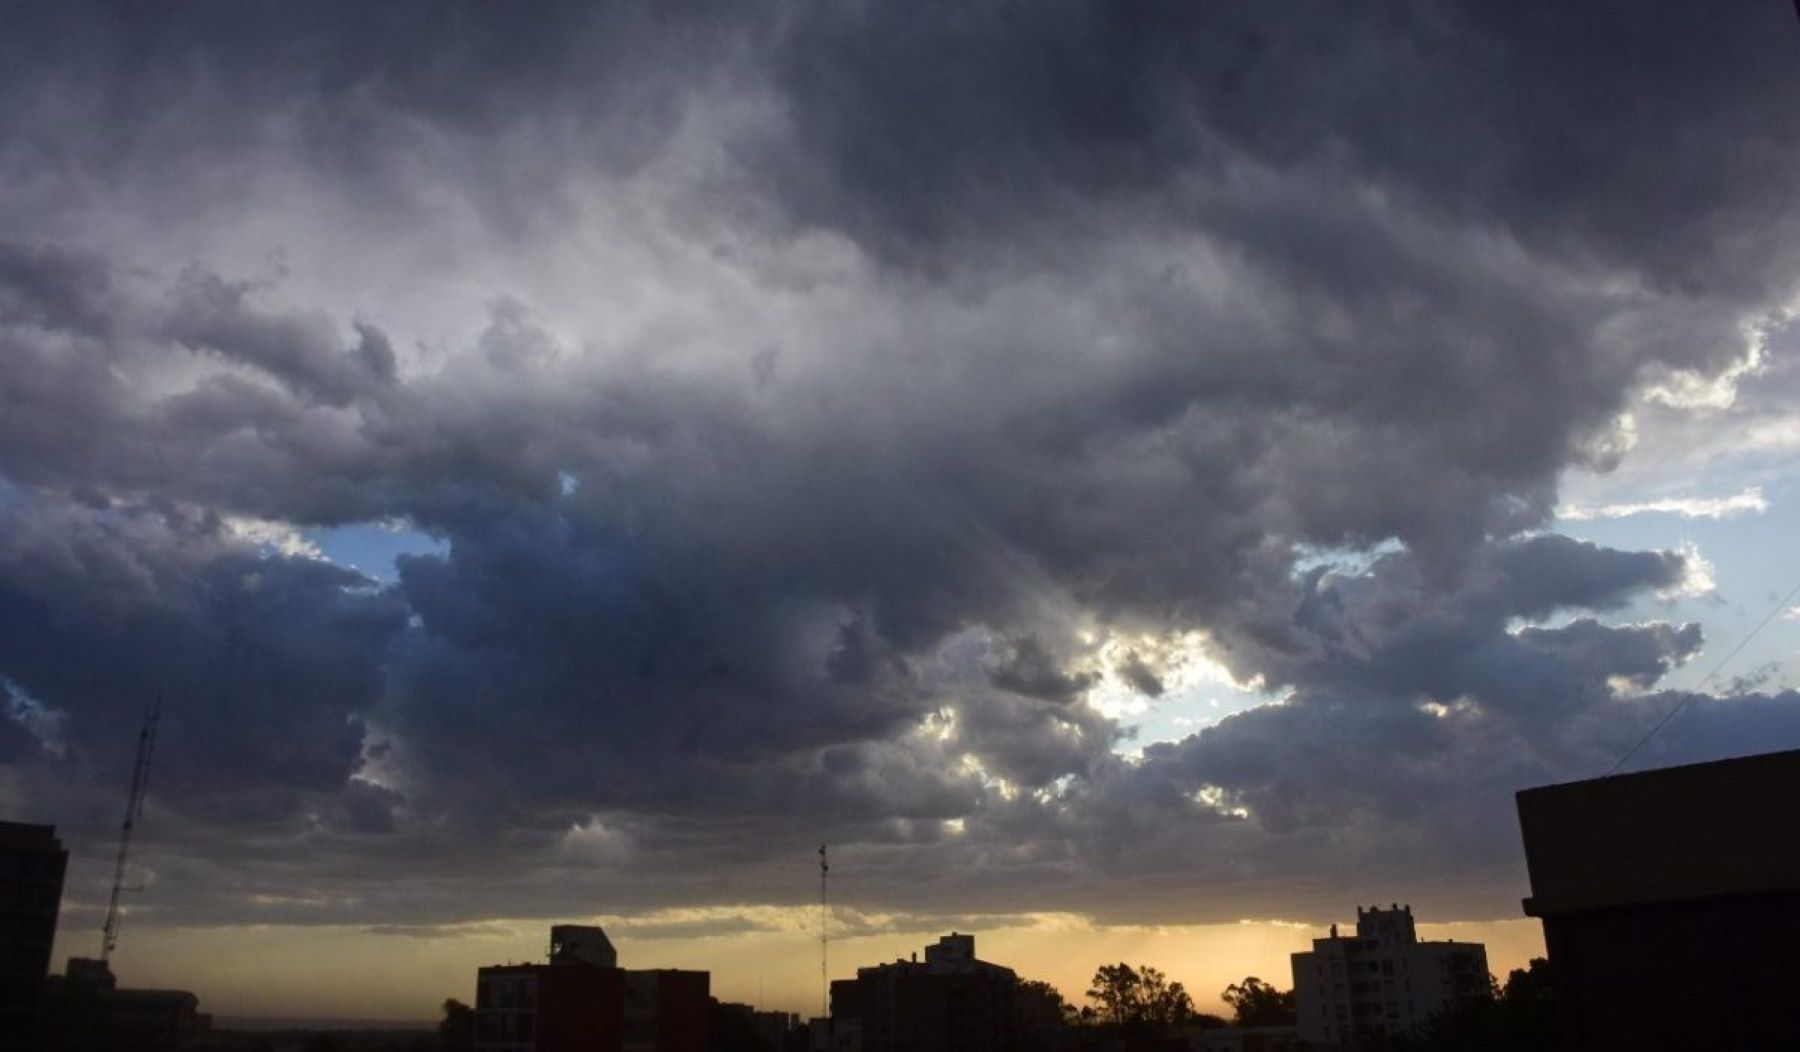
(134, 808)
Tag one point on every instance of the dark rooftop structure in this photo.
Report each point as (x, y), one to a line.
(86, 1010)
(1671, 903)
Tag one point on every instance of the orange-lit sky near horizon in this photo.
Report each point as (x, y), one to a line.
(331, 972)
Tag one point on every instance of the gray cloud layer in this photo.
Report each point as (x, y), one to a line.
(802, 395)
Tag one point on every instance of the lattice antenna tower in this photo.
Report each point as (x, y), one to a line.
(824, 936)
(134, 809)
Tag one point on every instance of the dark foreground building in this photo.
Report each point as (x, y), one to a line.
(85, 1010)
(32, 862)
(1671, 904)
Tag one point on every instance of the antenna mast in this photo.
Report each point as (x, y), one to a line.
(824, 937)
(134, 808)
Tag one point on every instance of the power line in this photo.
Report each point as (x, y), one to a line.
(1786, 601)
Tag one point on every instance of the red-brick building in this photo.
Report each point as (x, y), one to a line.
(573, 1004)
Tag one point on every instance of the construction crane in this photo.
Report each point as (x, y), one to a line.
(134, 809)
(824, 937)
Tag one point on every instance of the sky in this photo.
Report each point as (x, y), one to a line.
(1138, 480)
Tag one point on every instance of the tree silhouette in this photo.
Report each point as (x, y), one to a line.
(1116, 989)
(1256, 1003)
(1521, 1014)
(1141, 996)
(1165, 1003)
(1035, 996)
(457, 1032)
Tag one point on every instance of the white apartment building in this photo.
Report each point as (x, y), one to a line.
(1351, 990)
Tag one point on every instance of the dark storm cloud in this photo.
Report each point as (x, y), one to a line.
(266, 663)
(978, 335)
(1563, 126)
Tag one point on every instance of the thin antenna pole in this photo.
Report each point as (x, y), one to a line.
(134, 809)
(824, 937)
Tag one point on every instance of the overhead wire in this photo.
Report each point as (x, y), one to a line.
(1786, 602)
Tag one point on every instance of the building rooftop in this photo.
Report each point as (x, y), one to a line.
(23, 836)
(1681, 833)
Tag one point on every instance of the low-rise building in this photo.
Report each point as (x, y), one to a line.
(560, 1007)
(756, 1027)
(85, 1010)
(950, 1002)
(1351, 991)
(582, 1002)
(666, 1010)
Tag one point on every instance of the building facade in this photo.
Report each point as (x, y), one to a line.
(32, 863)
(567, 1007)
(749, 1025)
(950, 1002)
(581, 1002)
(1358, 990)
(1671, 904)
(666, 1010)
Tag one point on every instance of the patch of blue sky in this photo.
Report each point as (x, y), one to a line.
(1197, 693)
(1753, 562)
(371, 548)
(1180, 713)
(1349, 562)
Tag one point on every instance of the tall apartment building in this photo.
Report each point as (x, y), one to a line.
(582, 1002)
(1350, 991)
(32, 862)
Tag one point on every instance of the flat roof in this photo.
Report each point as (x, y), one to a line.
(25, 836)
(1705, 830)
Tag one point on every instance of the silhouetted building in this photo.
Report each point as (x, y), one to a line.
(32, 861)
(1671, 904)
(952, 1002)
(774, 1029)
(582, 1002)
(666, 1010)
(750, 1027)
(87, 1011)
(566, 1007)
(1351, 991)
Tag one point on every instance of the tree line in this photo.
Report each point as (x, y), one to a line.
(1144, 999)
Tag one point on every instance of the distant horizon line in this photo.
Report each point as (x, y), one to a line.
(273, 1023)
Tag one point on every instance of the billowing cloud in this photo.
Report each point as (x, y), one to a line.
(812, 408)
